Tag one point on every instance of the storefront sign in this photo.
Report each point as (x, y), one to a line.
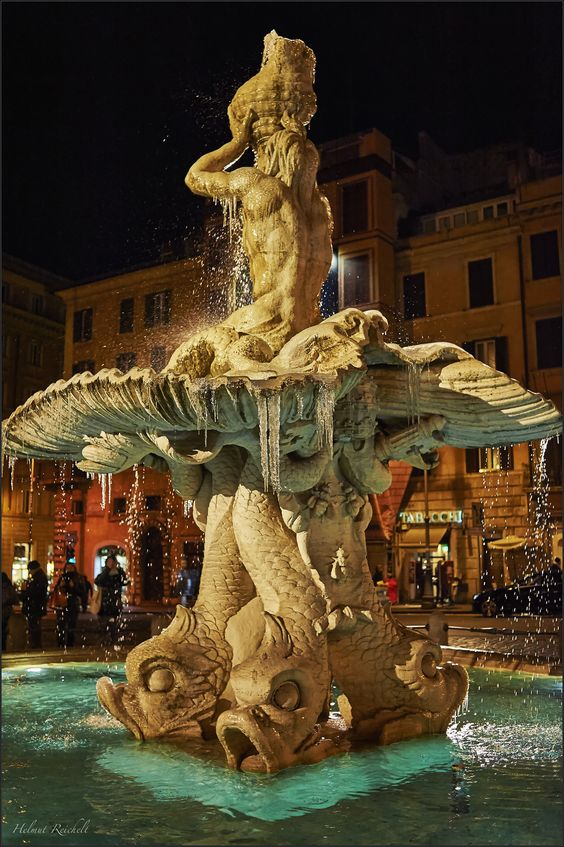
(456, 516)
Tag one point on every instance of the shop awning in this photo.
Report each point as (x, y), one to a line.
(415, 536)
(510, 542)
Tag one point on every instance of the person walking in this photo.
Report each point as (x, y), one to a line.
(9, 599)
(66, 601)
(112, 581)
(188, 583)
(34, 602)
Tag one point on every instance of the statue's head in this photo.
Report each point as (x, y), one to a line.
(281, 697)
(173, 682)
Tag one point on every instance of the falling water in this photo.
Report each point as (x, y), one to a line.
(262, 409)
(324, 414)
(197, 400)
(187, 507)
(273, 410)
(539, 504)
(12, 466)
(300, 402)
(413, 392)
(229, 207)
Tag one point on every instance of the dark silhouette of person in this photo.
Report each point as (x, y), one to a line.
(34, 602)
(68, 589)
(9, 599)
(86, 591)
(188, 583)
(112, 581)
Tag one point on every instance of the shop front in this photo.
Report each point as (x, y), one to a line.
(425, 558)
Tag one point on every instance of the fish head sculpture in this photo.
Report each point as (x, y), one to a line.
(173, 683)
(282, 695)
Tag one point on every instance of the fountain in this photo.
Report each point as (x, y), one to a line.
(278, 427)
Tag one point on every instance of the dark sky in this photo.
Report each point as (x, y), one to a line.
(106, 105)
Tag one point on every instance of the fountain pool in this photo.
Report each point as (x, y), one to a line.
(495, 778)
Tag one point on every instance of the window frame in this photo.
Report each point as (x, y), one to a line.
(85, 333)
(342, 188)
(425, 310)
(132, 357)
(124, 329)
(539, 320)
(352, 254)
(470, 261)
(545, 232)
(150, 321)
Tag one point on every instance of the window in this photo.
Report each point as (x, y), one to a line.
(414, 296)
(158, 358)
(83, 365)
(472, 216)
(480, 280)
(157, 308)
(193, 552)
(444, 224)
(544, 254)
(488, 212)
(126, 315)
(153, 502)
(460, 219)
(354, 207)
(356, 279)
(485, 459)
(485, 351)
(37, 304)
(119, 506)
(126, 361)
(77, 507)
(35, 353)
(502, 209)
(491, 351)
(429, 225)
(82, 328)
(549, 342)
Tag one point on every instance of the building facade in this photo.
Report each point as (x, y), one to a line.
(135, 319)
(32, 358)
(471, 247)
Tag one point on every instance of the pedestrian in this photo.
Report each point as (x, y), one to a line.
(112, 581)
(86, 591)
(34, 602)
(187, 583)
(392, 590)
(66, 600)
(9, 599)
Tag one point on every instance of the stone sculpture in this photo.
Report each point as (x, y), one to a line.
(279, 428)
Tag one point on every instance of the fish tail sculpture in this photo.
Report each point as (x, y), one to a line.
(175, 679)
(282, 691)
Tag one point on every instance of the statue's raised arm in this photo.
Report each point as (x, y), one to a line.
(208, 177)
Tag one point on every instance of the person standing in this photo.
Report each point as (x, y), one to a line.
(9, 599)
(34, 602)
(67, 599)
(112, 581)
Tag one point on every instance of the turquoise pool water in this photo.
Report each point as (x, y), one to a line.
(74, 776)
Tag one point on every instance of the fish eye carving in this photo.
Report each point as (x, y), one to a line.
(287, 696)
(160, 679)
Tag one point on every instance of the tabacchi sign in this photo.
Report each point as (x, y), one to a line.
(455, 516)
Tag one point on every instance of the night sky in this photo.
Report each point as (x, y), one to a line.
(106, 105)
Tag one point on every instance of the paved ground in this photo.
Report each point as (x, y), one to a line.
(518, 643)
